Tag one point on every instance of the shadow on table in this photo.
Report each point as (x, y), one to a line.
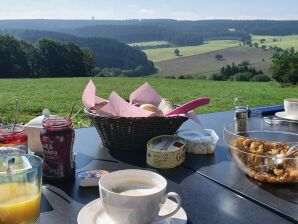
(197, 161)
(134, 158)
(288, 192)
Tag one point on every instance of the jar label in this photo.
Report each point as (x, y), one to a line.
(58, 156)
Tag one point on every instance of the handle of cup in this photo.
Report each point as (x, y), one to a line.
(177, 199)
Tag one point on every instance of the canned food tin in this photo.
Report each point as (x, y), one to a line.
(165, 151)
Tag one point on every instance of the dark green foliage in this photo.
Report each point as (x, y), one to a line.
(160, 29)
(108, 52)
(261, 78)
(244, 64)
(285, 67)
(177, 52)
(264, 47)
(276, 50)
(217, 77)
(48, 58)
(13, 57)
(245, 76)
(170, 77)
(140, 33)
(219, 57)
(240, 73)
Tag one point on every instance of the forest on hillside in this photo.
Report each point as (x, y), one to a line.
(179, 32)
(107, 41)
(108, 53)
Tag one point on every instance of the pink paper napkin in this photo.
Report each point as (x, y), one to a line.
(145, 94)
(89, 94)
(124, 109)
(117, 106)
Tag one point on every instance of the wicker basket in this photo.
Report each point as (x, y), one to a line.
(132, 133)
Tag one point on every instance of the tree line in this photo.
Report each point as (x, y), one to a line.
(140, 33)
(129, 31)
(241, 72)
(285, 67)
(108, 53)
(46, 58)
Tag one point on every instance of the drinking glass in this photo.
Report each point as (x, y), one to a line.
(20, 189)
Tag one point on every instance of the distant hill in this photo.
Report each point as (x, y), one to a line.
(159, 29)
(206, 64)
(140, 33)
(109, 53)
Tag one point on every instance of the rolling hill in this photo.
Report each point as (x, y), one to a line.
(206, 63)
(108, 52)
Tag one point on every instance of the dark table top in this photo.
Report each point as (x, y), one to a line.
(212, 188)
(221, 169)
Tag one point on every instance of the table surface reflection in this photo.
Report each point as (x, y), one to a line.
(212, 188)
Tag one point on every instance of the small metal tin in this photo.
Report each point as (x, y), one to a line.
(165, 151)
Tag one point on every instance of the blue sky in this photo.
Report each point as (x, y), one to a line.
(144, 9)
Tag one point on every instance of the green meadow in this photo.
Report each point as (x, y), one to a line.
(279, 41)
(149, 43)
(58, 94)
(165, 54)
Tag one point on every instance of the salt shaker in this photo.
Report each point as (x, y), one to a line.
(241, 115)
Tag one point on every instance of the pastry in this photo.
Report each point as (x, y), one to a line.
(152, 108)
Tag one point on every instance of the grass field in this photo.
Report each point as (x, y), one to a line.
(282, 41)
(165, 54)
(206, 64)
(149, 43)
(58, 94)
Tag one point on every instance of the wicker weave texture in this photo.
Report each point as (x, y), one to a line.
(122, 133)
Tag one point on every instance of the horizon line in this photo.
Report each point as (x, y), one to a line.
(132, 19)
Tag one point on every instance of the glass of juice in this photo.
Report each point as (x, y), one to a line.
(20, 189)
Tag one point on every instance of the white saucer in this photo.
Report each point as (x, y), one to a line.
(287, 116)
(93, 213)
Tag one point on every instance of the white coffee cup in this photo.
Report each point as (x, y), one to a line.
(291, 106)
(135, 196)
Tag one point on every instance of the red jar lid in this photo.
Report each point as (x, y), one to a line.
(9, 135)
(57, 123)
(8, 130)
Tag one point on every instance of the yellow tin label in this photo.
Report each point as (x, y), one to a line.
(165, 151)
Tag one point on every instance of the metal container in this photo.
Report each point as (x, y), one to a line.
(241, 114)
(165, 151)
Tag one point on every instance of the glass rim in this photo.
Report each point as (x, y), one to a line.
(228, 128)
(57, 123)
(8, 129)
(30, 170)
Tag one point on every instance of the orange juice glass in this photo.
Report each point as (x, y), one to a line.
(20, 189)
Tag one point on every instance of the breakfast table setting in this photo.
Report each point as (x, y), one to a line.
(148, 160)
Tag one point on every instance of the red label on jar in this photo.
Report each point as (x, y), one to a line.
(57, 151)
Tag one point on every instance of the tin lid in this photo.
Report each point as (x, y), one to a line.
(241, 108)
(165, 143)
(241, 113)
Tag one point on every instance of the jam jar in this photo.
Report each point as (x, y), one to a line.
(14, 137)
(57, 137)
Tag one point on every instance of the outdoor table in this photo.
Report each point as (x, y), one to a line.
(212, 188)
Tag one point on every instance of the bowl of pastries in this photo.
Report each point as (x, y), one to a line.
(267, 153)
